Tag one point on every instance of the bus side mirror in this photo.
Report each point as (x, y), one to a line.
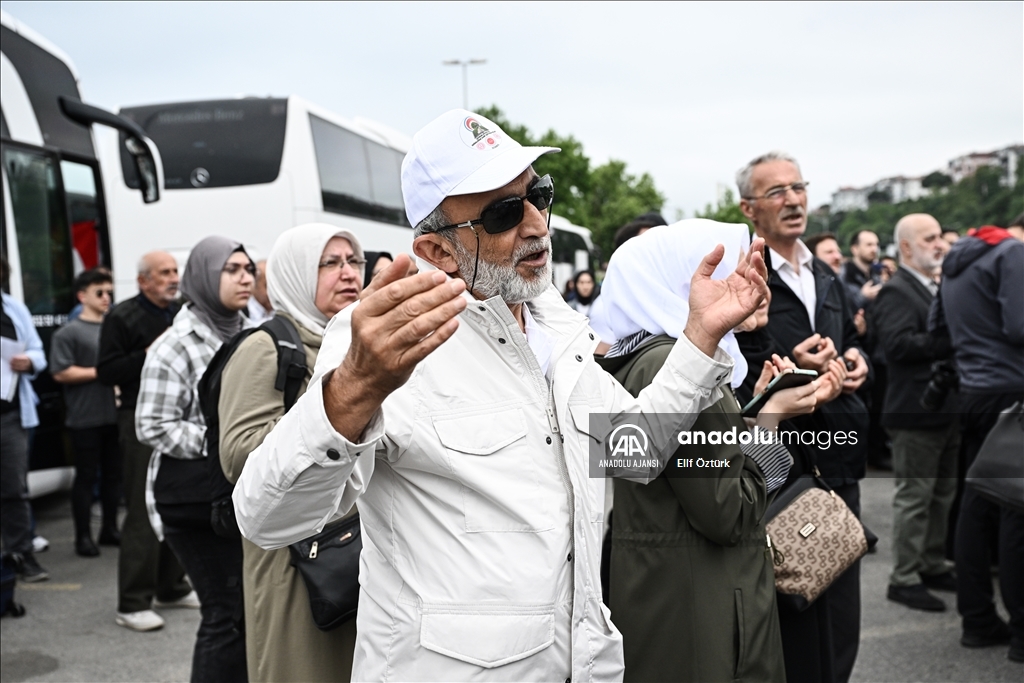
(137, 143)
(145, 167)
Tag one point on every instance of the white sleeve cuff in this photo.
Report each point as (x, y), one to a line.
(324, 444)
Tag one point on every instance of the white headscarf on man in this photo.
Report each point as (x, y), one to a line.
(293, 271)
(647, 286)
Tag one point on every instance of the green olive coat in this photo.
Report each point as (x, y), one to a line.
(692, 586)
(281, 641)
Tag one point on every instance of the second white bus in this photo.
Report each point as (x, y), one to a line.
(250, 168)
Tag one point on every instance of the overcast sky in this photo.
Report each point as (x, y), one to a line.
(686, 92)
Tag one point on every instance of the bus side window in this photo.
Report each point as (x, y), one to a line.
(358, 177)
(80, 190)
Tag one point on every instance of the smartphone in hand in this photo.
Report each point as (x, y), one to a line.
(787, 380)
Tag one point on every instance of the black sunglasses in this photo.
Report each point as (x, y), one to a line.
(507, 213)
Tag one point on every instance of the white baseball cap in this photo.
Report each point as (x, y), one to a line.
(458, 153)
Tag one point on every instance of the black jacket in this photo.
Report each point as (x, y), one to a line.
(853, 279)
(983, 305)
(788, 325)
(127, 332)
(900, 315)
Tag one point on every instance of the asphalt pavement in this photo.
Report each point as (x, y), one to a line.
(68, 633)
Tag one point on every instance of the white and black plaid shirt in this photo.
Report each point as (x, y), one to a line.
(167, 416)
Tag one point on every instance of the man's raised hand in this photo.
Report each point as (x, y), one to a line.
(397, 324)
(717, 306)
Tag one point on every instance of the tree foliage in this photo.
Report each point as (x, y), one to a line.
(978, 200)
(602, 198)
(936, 179)
(726, 210)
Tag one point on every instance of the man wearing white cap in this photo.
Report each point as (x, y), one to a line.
(461, 421)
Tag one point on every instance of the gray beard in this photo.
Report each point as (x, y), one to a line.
(495, 279)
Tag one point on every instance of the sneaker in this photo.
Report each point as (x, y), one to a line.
(40, 544)
(996, 634)
(84, 547)
(190, 601)
(146, 620)
(30, 570)
(946, 581)
(916, 597)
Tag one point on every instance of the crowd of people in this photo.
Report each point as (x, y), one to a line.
(444, 415)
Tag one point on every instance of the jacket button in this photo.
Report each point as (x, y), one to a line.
(548, 439)
(482, 308)
(568, 680)
(579, 357)
(569, 559)
(591, 336)
(333, 454)
(501, 340)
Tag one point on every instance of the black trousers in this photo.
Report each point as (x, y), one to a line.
(820, 644)
(146, 568)
(807, 642)
(15, 511)
(844, 601)
(982, 523)
(96, 455)
(214, 565)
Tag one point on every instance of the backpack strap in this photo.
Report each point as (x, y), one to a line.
(291, 358)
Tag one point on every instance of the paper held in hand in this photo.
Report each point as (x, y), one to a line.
(9, 348)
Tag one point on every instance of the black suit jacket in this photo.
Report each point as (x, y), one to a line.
(900, 316)
(788, 325)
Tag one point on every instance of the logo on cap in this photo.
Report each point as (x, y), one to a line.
(476, 133)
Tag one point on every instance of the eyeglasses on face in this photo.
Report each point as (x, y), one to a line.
(235, 270)
(777, 193)
(507, 213)
(333, 262)
(104, 292)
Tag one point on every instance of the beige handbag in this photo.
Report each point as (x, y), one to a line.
(814, 538)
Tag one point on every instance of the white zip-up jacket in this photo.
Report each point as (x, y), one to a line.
(481, 527)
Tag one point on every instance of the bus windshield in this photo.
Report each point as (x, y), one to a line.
(221, 143)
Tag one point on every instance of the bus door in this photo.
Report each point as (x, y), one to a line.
(54, 228)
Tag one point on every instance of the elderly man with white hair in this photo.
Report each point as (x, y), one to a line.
(925, 443)
(455, 405)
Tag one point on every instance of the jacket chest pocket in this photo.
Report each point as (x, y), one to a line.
(593, 448)
(501, 475)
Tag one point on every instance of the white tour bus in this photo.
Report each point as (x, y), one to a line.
(54, 215)
(250, 168)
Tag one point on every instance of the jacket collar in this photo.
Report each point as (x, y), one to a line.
(902, 274)
(823, 279)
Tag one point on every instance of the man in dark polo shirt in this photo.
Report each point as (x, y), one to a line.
(148, 573)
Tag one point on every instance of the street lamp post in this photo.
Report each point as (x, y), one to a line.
(465, 64)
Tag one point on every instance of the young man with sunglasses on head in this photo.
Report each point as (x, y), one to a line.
(455, 404)
(91, 411)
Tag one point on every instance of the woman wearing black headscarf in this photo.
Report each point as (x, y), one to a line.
(217, 282)
(586, 291)
(376, 261)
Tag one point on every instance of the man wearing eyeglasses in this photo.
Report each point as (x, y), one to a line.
(810, 321)
(91, 411)
(455, 404)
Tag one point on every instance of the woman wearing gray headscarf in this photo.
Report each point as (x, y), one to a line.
(217, 282)
(313, 271)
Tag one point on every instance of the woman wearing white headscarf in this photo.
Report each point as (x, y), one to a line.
(691, 587)
(313, 271)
